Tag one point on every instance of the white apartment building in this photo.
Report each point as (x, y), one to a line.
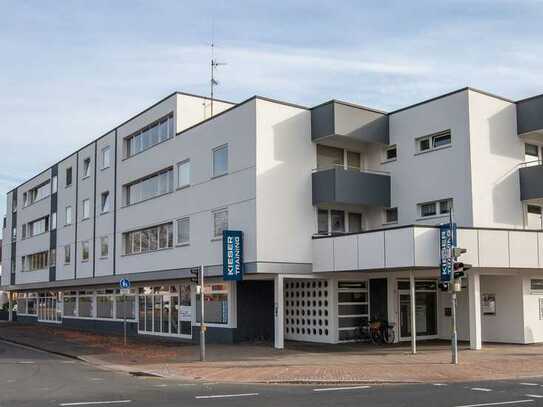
(339, 206)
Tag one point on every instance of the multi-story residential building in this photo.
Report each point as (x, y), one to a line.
(339, 205)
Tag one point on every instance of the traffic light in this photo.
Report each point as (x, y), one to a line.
(195, 271)
(459, 269)
(443, 286)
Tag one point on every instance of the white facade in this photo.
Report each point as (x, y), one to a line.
(322, 255)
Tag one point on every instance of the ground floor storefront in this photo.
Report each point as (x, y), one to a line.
(494, 306)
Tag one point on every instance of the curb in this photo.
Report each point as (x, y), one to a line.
(54, 352)
(339, 382)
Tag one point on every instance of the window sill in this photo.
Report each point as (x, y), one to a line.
(445, 215)
(216, 239)
(68, 186)
(389, 161)
(182, 187)
(433, 149)
(390, 223)
(104, 257)
(105, 168)
(67, 225)
(84, 261)
(219, 175)
(104, 213)
(182, 244)
(85, 177)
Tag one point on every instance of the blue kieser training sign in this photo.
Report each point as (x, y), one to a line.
(447, 240)
(232, 255)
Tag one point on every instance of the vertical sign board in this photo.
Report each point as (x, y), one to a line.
(232, 255)
(447, 240)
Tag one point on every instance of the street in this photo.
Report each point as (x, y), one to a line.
(30, 377)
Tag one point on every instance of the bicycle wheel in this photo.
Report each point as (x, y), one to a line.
(376, 337)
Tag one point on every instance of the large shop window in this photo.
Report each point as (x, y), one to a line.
(27, 304)
(104, 303)
(85, 304)
(215, 304)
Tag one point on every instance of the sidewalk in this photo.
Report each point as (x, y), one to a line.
(298, 363)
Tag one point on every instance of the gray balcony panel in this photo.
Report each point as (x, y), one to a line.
(530, 115)
(337, 185)
(339, 119)
(531, 182)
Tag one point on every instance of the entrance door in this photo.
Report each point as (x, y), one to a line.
(49, 308)
(425, 309)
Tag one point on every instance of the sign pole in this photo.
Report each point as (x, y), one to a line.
(125, 306)
(202, 319)
(454, 336)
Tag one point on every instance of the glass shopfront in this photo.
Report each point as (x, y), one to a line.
(49, 307)
(425, 309)
(165, 310)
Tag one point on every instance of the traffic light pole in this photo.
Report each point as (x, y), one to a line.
(454, 335)
(202, 319)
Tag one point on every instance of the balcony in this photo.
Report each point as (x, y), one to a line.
(530, 118)
(339, 123)
(354, 187)
(531, 180)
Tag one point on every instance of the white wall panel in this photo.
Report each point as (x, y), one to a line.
(371, 250)
(469, 239)
(493, 248)
(346, 253)
(523, 249)
(399, 247)
(426, 247)
(323, 255)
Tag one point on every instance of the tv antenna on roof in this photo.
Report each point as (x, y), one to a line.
(214, 65)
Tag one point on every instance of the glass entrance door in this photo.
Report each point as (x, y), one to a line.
(160, 312)
(49, 308)
(425, 309)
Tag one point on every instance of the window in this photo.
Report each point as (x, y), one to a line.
(86, 167)
(37, 227)
(36, 261)
(70, 303)
(53, 221)
(4, 222)
(53, 257)
(536, 284)
(37, 193)
(157, 132)
(104, 246)
(337, 221)
(104, 304)
(85, 304)
(220, 160)
(126, 305)
(14, 203)
(391, 153)
(23, 235)
(68, 177)
(215, 304)
(353, 161)
(86, 208)
(155, 185)
(441, 207)
(149, 239)
(104, 206)
(67, 254)
(14, 233)
(85, 251)
(355, 222)
(220, 222)
(183, 231)
(183, 174)
(531, 150)
(434, 141)
(322, 227)
(391, 215)
(54, 184)
(106, 157)
(26, 202)
(329, 157)
(68, 220)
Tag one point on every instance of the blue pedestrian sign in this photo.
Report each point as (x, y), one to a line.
(124, 283)
(447, 240)
(232, 255)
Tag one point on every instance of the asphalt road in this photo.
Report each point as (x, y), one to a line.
(34, 378)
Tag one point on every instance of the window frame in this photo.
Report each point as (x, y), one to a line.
(169, 119)
(103, 201)
(67, 254)
(391, 222)
(69, 176)
(85, 247)
(179, 166)
(68, 209)
(86, 168)
(85, 208)
(430, 139)
(177, 223)
(104, 150)
(215, 213)
(102, 240)
(393, 147)
(439, 213)
(213, 168)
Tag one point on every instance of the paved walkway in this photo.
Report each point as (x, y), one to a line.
(299, 362)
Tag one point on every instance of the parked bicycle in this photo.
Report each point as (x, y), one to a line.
(378, 332)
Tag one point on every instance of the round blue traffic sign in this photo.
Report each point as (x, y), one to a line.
(124, 283)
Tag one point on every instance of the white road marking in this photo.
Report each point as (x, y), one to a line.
(222, 396)
(439, 384)
(25, 362)
(71, 362)
(529, 384)
(480, 389)
(342, 388)
(90, 403)
(535, 396)
(499, 403)
(96, 379)
(160, 385)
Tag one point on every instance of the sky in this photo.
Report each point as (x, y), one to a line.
(72, 70)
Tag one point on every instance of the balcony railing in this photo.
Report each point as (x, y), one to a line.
(531, 180)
